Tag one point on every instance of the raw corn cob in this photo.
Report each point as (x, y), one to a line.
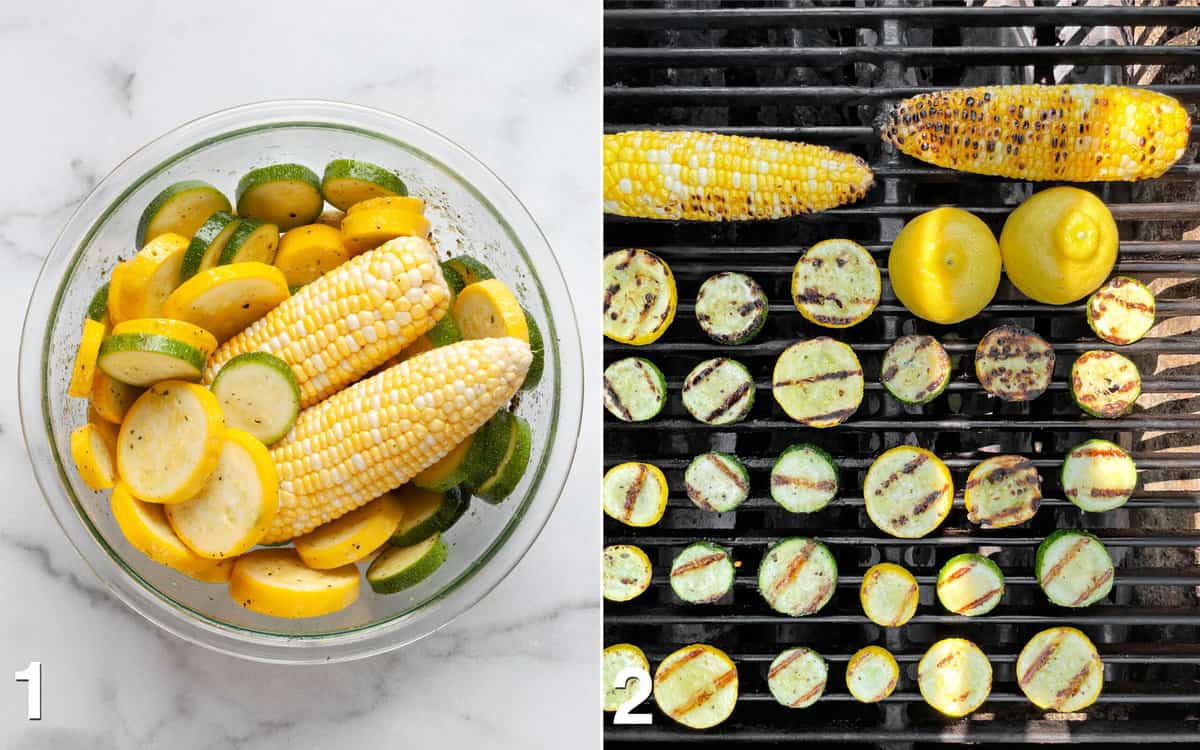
(380, 432)
(709, 177)
(346, 323)
(1077, 132)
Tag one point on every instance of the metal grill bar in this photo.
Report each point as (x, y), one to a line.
(721, 56)
(1041, 15)
(845, 95)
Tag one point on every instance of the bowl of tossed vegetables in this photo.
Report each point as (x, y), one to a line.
(301, 381)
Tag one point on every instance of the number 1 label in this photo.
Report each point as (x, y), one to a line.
(33, 675)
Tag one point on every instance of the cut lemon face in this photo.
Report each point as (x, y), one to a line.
(945, 265)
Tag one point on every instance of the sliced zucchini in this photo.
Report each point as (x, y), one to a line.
(83, 370)
(916, 369)
(180, 208)
(444, 332)
(797, 576)
(889, 595)
(804, 478)
(401, 202)
(259, 394)
(702, 573)
(797, 677)
(97, 309)
(1122, 310)
(908, 492)
(537, 347)
(143, 359)
(450, 471)
(635, 493)
(1073, 568)
(1098, 476)
(489, 445)
(251, 241)
(347, 182)
(148, 278)
(717, 482)
(836, 284)
(225, 299)
(276, 582)
(731, 308)
(1060, 670)
(145, 527)
(93, 451)
(627, 572)
(639, 297)
(170, 442)
(634, 389)
(1105, 384)
(954, 676)
(366, 230)
(872, 674)
(236, 506)
(818, 382)
(719, 391)
(352, 537)
(1014, 363)
(970, 585)
(204, 249)
(1003, 491)
(111, 398)
(425, 513)
(453, 279)
(618, 658)
(180, 330)
(697, 686)
(400, 568)
(469, 269)
(501, 483)
(286, 195)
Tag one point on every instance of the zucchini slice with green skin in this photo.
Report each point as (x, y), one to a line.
(1003, 491)
(259, 394)
(702, 573)
(537, 348)
(970, 585)
(204, 249)
(836, 284)
(717, 482)
(97, 309)
(347, 182)
(400, 568)
(731, 308)
(618, 658)
(634, 389)
(444, 332)
(640, 297)
(180, 208)
(954, 676)
(286, 195)
(495, 488)
(250, 240)
(797, 677)
(454, 280)
(818, 382)
(426, 513)
(697, 686)
(1098, 476)
(916, 369)
(451, 470)
(889, 595)
(804, 479)
(469, 269)
(908, 492)
(1060, 670)
(1105, 384)
(797, 576)
(143, 359)
(627, 572)
(1073, 568)
(486, 452)
(1122, 310)
(635, 493)
(1014, 363)
(872, 674)
(719, 391)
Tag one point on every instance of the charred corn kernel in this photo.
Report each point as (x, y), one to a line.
(83, 372)
(346, 323)
(1076, 132)
(709, 177)
(380, 432)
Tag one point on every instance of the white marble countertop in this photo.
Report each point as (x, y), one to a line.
(517, 84)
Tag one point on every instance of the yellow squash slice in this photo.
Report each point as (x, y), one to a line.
(639, 296)
(276, 582)
(697, 686)
(83, 372)
(145, 528)
(617, 658)
(147, 279)
(370, 228)
(398, 202)
(635, 494)
(225, 299)
(353, 537)
(180, 330)
(488, 309)
(908, 492)
(307, 252)
(889, 595)
(111, 398)
(92, 449)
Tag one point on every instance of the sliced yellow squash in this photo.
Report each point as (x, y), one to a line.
(148, 278)
(353, 537)
(308, 252)
(145, 528)
(111, 398)
(399, 202)
(635, 493)
(92, 451)
(225, 299)
(83, 372)
(489, 309)
(370, 228)
(276, 582)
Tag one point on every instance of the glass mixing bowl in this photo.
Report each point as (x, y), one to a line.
(471, 211)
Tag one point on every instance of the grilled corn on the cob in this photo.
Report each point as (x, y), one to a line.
(709, 177)
(1077, 132)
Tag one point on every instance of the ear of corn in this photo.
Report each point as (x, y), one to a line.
(346, 323)
(1078, 132)
(380, 432)
(710, 177)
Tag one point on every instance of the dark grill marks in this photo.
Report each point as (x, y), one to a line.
(703, 695)
(812, 606)
(701, 376)
(1065, 560)
(634, 489)
(997, 365)
(794, 567)
(664, 673)
(649, 377)
(1096, 583)
(1104, 298)
(904, 600)
(779, 480)
(733, 476)
(815, 690)
(1073, 686)
(609, 291)
(927, 501)
(836, 417)
(738, 394)
(775, 670)
(959, 572)
(908, 468)
(1041, 661)
(614, 399)
(890, 372)
(1101, 492)
(834, 375)
(698, 564)
(979, 602)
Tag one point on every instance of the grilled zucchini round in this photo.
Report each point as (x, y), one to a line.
(818, 382)
(1098, 475)
(635, 493)
(731, 308)
(1060, 670)
(626, 572)
(916, 369)
(970, 585)
(836, 284)
(639, 296)
(872, 674)
(1014, 363)
(618, 657)
(697, 686)
(1073, 568)
(908, 492)
(719, 391)
(797, 677)
(804, 479)
(1121, 311)
(1003, 491)
(1105, 384)
(797, 576)
(702, 573)
(955, 677)
(634, 389)
(717, 482)
(889, 595)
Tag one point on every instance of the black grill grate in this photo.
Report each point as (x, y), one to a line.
(824, 75)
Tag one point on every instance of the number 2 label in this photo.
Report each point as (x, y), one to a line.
(32, 675)
(637, 695)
